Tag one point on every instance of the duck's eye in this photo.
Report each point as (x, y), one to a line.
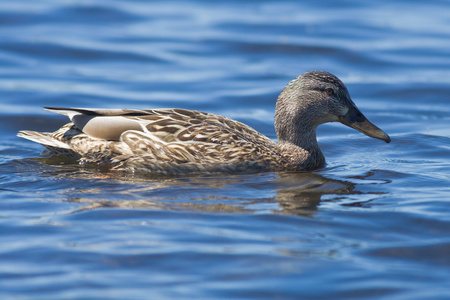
(329, 91)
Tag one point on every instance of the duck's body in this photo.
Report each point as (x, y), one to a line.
(179, 141)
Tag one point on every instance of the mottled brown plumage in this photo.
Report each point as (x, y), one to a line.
(179, 141)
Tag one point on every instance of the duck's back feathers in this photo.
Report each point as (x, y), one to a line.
(169, 141)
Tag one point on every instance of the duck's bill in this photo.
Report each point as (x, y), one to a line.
(355, 119)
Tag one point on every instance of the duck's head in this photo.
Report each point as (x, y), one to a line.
(315, 98)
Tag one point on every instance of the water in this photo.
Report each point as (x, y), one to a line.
(373, 224)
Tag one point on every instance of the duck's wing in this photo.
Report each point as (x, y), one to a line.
(167, 125)
(104, 124)
(170, 141)
(184, 141)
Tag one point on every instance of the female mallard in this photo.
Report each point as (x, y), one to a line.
(179, 141)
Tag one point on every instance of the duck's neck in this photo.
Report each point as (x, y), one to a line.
(298, 142)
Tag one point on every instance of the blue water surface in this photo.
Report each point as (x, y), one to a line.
(373, 224)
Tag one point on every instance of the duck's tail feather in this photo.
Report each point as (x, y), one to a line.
(42, 138)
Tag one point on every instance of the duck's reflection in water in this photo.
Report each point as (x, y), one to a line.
(283, 193)
(301, 193)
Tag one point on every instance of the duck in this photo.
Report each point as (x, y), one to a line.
(180, 141)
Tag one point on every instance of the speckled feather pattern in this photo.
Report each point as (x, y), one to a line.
(173, 141)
